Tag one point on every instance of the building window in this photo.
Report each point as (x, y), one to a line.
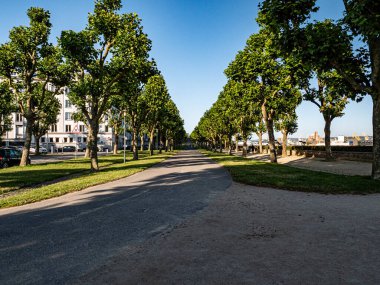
(57, 140)
(106, 129)
(84, 140)
(65, 140)
(19, 131)
(67, 104)
(18, 117)
(68, 128)
(53, 128)
(51, 140)
(105, 117)
(71, 139)
(68, 116)
(81, 128)
(79, 139)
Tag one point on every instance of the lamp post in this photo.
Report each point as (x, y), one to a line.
(124, 136)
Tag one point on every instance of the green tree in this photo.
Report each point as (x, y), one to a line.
(360, 69)
(6, 108)
(286, 124)
(47, 116)
(29, 65)
(107, 51)
(155, 96)
(269, 80)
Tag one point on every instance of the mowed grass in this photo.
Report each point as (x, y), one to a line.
(113, 169)
(258, 173)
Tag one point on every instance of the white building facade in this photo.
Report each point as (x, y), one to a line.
(66, 132)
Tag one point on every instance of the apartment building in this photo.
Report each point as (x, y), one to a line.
(66, 132)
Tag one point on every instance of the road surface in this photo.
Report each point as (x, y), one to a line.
(59, 240)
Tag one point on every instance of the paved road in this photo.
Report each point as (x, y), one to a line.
(58, 240)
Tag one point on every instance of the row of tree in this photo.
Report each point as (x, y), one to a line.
(280, 65)
(106, 67)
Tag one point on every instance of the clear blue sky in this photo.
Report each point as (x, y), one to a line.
(193, 42)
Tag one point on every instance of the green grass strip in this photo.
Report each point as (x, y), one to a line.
(259, 173)
(112, 172)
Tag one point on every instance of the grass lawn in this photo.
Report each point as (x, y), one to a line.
(113, 168)
(258, 173)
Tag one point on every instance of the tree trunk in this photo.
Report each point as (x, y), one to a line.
(116, 143)
(88, 146)
(269, 124)
(376, 137)
(28, 139)
(237, 143)
(260, 135)
(134, 144)
(245, 146)
(37, 138)
(328, 137)
(151, 139)
(142, 141)
(284, 143)
(94, 145)
(220, 145)
(166, 145)
(230, 145)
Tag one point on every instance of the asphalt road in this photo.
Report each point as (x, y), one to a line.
(58, 240)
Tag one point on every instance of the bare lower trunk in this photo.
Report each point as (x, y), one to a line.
(134, 145)
(28, 139)
(376, 137)
(151, 137)
(94, 146)
(284, 143)
(159, 141)
(230, 145)
(88, 147)
(260, 135)
(37, 138)
(244, 147)
(269, 124)
(116, 143)
(142, 142)
(327, 130)
(166, 145)
(237, 145)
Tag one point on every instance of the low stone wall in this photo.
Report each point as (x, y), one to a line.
(359, 156)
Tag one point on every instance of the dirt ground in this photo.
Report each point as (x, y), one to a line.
(252, 235)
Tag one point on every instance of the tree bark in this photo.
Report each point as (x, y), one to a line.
(142, 141)
(327, 130)
(260, 135)
(237, 141)
(93, 145)
(284, 143)
(376, 136)
(28, 139)
(88, 146)
(230, 145)
(269, 124)
(37, 138)
(116, 143)
(245, 146)
(134, 144)
(151, 139)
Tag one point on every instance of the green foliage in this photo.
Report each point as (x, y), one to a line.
(6, 108)
(29, 64)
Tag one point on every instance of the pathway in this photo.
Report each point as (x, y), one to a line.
(57, 240)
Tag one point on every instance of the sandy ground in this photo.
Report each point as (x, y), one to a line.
(339, 166)
(252, 235)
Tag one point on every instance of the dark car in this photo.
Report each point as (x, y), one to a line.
(67, 148)
(10, 156)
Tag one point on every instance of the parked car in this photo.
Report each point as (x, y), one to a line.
(10, 156)
(42, 150)
(67, 148)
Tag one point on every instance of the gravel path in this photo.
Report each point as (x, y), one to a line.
(252, 235)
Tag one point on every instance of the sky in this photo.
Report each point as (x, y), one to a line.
(193, 41)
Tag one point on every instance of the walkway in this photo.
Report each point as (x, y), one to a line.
(57, 240)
